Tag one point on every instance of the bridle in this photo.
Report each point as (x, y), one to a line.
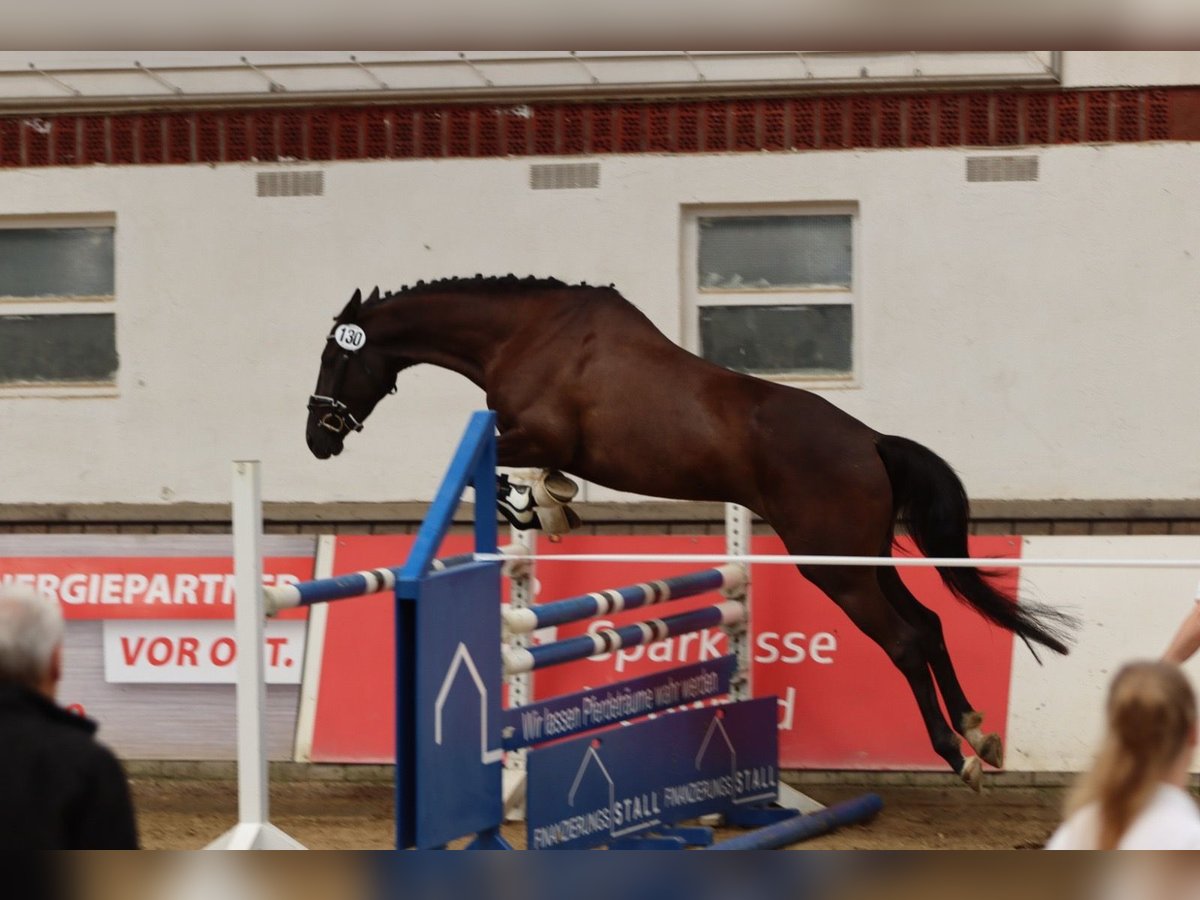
(335, 415)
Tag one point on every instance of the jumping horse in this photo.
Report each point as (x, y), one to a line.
(581, 381)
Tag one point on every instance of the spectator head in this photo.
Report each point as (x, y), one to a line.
(1152, 713)
(31, 634)
(1150, 739)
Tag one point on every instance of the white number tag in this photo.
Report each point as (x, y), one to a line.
(350, 337)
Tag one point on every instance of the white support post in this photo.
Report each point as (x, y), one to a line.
(314, 655)
(521, 591)
(254, 830)
(737, 543)
(738, 531)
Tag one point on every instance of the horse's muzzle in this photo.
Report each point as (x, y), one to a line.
(322, 442)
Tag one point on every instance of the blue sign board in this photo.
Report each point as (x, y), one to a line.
(556, 718)
(635, 779)
(457, 734)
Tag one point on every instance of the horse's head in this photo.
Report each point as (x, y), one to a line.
(355, 375)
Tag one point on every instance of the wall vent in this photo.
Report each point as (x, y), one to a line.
(564, 176)
(291, 184)
(1002, 168)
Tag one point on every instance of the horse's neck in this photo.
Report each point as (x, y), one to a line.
(459, 332)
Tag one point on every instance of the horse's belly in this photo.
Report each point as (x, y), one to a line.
(676, 465)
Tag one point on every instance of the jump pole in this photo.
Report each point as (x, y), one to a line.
(804, 827)
(254, 830)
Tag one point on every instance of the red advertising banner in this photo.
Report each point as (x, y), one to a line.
(841, 702)
(151, 587)
(355, 719)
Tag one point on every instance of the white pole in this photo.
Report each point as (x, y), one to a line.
(737, 543)
(739, 532)
(521, 591)
(901, 562)
(254, 830)
(314, 655)
(253, 802)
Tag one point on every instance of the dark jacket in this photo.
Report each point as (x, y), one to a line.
(59, 788)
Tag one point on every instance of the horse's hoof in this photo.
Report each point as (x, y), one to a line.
(557, 520)
(989, 746)
(991, 751)
(554, 489)
(972, 773)
(573, 520)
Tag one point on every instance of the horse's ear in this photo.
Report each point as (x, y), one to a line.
(374, 296)
(351, 310)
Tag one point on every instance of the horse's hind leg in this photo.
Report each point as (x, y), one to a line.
(929, 627)
(858, 593)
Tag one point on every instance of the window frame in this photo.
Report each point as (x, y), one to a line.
(695, 297)
(81, 304)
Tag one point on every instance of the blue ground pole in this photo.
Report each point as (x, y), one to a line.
(801, 828)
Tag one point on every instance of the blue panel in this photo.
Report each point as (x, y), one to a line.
(626, 781)
(457, 740)
(559, 717)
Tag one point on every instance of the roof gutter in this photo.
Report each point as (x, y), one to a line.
(525, 94)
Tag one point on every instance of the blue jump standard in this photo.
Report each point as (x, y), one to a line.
(624, 784)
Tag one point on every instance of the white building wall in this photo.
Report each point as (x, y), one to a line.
(1130, 68)
(1056, 707)
(1039, 335)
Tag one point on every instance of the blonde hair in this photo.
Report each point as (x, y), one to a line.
(1151, 719)
(31, 628)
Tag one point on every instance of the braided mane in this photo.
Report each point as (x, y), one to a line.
(497, 284)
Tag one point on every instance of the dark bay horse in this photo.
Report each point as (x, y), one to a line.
(581, 381)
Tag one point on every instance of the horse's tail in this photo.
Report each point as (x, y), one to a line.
(931, 503)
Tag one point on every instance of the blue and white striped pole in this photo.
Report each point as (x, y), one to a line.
(603, 603)
(340, 587)
(305, 593)
(606, 640)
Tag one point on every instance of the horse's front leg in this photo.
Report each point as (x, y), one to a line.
(518, 447)
(542, 502)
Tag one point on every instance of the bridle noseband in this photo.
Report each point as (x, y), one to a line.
(335, 415)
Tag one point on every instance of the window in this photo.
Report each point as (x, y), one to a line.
(57, 318)
(771, 290)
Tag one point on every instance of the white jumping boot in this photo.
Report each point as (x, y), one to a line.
(541, 504)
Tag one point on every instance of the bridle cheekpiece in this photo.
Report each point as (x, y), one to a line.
(335, 415)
